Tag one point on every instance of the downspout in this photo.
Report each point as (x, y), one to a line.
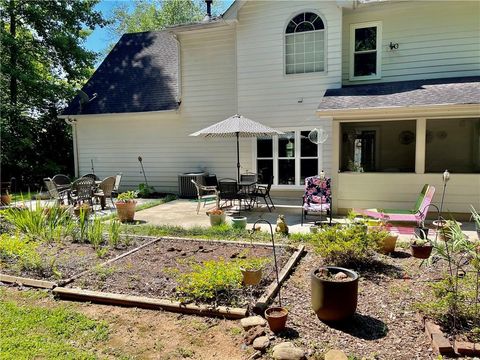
(73, 124)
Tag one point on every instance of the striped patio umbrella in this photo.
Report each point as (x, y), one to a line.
(237, 126)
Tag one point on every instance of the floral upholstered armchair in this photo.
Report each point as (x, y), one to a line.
(317, 197)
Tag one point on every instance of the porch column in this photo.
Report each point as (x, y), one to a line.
(335, 163)
(420, 146)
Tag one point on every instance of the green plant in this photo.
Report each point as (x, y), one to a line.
(213, 278)
(82, 229)
(114, 233)
(103, 272)
(127, 196)
(20, 251)
(145, 190)
(95, 235)
(349, 246)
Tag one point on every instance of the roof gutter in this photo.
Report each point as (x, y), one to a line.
(79, 116)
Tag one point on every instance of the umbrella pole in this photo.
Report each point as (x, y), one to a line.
(238, 157)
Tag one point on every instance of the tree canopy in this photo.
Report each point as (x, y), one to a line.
(43, 62)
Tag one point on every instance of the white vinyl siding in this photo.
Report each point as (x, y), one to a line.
(436, 39)
(208, 95)
(265, 93)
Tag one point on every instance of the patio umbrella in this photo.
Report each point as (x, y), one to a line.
(237, 126)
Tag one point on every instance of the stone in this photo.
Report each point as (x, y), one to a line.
(261, 343)
(340, 276)
(335, 355)
(251, 321)
(254, 333)
(287, 351)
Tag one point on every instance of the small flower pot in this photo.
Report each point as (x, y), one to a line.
(239, 222)
(76, 210)
(334, 300)
(126, 210)
(251, 276)
(277, 318)
(421, 251)
(217, 219)
(5, 199)
(314, 229)
(388, 244)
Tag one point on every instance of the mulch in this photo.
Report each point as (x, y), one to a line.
(386, 324)
(147, 272)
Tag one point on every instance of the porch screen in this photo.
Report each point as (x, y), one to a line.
(453, 144)
(378, 146)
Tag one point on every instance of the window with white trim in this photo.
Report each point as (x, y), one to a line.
(290, 158)
(365, 50)
(305, 44)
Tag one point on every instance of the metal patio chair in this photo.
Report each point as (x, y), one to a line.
(206, 193)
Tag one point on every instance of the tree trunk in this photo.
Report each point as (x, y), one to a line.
(13, 58)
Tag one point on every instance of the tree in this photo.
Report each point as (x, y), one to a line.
(155, 15)
(43, 62)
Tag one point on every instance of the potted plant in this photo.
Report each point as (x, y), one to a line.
(126, 206)
(5, 197)
(334, 293)
(386, 241)
(217, 216)
(421, 231)
(421, 248)
(252, 270)
(444, 228)
(239, 222)
(83, 207)
(276, 318)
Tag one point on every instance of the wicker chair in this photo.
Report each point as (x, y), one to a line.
(118, 178)
(104, 190)
(82, 190)
(93, 176)
(55, 193)
(206, 193)
(62, 181)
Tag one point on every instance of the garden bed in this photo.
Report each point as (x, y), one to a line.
(64, 259)
(154, 271)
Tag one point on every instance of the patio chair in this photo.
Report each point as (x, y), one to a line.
(263, 191)
(211, 180)
(118, 178)
(317, 197)
(417, 214)
(229, 191)
(61, 181)
(206, 193)
(104, 190)
(82, 190)
(55, 193)
(93, 176)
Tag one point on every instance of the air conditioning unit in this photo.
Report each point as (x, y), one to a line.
(186, 188)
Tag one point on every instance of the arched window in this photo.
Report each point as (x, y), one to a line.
(305, 44)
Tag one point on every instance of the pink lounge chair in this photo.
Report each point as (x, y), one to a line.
(418, 214)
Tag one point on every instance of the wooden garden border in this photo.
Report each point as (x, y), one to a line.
(153, 303)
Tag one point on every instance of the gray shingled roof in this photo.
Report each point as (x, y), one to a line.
(139, 74)
(464, 90)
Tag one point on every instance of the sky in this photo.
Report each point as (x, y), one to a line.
(101, 37)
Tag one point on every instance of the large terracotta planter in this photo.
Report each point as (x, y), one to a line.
(334, 300)
(276, 318)
(126, 210)
(217, 219)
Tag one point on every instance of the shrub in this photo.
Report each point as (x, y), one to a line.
(21, 251)
(349, 246)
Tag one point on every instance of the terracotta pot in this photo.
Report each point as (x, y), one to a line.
(239, 222)
(216, 220)
(388, 244)
(421, 251)
(5, 199)
(251, 276)
(87, 210)
(277, 318)
(444, 229)
(334, 300)
(126, 210)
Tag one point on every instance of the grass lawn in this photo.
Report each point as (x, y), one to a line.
(30, 331)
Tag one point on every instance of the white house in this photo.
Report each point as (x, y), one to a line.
(395, 84)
